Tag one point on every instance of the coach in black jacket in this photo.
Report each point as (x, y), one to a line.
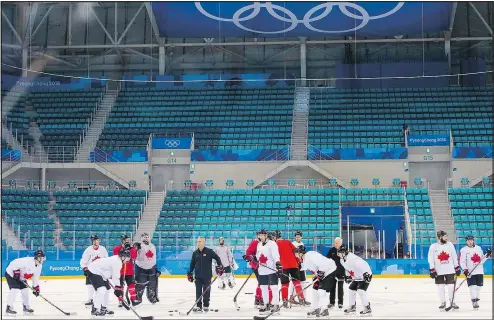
(201, 263)
(340, 274)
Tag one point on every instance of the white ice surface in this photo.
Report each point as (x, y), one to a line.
(390, 298)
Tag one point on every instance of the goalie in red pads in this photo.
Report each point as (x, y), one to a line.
(127, 271)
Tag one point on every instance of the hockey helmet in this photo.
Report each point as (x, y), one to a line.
(262, 231)
(469, 237)
(271, 235)
(343, 250)
(39, 254)
(94, 237)
(277, 234)
(124, 238)
(124, 254)
(301, 250)
(298, 233)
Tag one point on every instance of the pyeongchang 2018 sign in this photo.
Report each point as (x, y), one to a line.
(428, 140)
(299, 18)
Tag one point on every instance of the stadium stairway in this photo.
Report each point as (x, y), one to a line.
(12, 141)
(150, 215)
(94, 132)
(300, 124)
(12, 240)
(441, 212)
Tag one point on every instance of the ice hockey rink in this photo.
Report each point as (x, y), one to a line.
(402, 298)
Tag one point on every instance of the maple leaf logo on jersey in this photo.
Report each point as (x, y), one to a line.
(443, 257)
(149, 254)
(28, 276)
(352, 274)
(475, 258)
(263, 259)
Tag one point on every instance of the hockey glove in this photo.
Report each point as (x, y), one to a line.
(433, 273)
(315, 285)
(127, 246)
(465, 272)
(320, 275)
(348, 279)
(367, 277)
(219, 271)
(86, 271)
(137, 245)
(247, 258)
(488, 252)
(190, 277)
(36, 291)
(279, 269)
(457, 271)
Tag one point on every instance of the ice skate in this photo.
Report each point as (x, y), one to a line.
(275, 309)
(351, 310)
(293, 301)
(93, 311)
(265, 309)
(231, 285)
(9, 312)
(331, 306)
(442, 306)
(120, 305)
(285, 304)
(106, 311)
(89, 304)
(324, 313)
(367, 311)
(258, 304)
(454, 306)
(27, 311)
(313, 313)
(222, 286)
(304, 302)
(197, 309)
(475, 304)
(136, 303)
(100, 313)
(205, 309)
(340, 305)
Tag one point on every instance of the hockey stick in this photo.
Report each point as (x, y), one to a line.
(42, 297)
(203, 293)
(453, 298)
(238, 292)
(128, 307)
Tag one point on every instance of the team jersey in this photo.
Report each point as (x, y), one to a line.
(471, 257)
(298, 244)
(107, 268)
(314, 261)
(91, 254)
(225, 255)
(27, 267)
(443, 258)
(146, 257)
(267, 255)
(355, 266)
(287, 255)
(128, 266)
(252, 251)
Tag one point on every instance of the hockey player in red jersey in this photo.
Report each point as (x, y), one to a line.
(127, 271)
(290, 270)
(250, 257)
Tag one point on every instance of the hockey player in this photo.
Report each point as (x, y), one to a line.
(471, 257)
(99, 273)
(147, 273)
(225, 253)
(127, 271)
(269, 261)
(443, 264)
(323, 270)
(250, 258)
(202, 264)
(17, 273)
(359, 279)
(91, 254)
(290, 269)
(297, 243)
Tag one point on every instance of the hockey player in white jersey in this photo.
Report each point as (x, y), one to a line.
(360, 276)
(269, 260)
(17, 273)
(297, 243)
(147, 273)
(443, 265)
(323, 269)
(100, 272)
(226, 256)
(471, 258)
(92, 253)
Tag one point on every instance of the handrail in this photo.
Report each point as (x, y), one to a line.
(408, 224)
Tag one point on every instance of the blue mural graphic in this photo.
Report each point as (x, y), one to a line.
(357, 153)
(299, 18)
(239, 155)
(50, 83)
(472, 152)
(119, 156)
(171, 143)
(11, 155)
(428, 140)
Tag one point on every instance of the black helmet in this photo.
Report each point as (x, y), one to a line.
(39, 254)
(124, 254)
(343, 249)
(277, 234)
(262, 231)
(469, 237)
(94, 237)
(298, 233)
(124, 238)
(271, 235)
(300, 249)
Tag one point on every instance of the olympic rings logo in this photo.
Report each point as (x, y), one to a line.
(309, 17)
(172, 143)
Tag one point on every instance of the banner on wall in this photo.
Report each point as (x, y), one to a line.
(472, 152)
(11, 155)
(48, 83)
(239, 155)
(171, 143)
(428, 140)
(357, 153)
(119, 156)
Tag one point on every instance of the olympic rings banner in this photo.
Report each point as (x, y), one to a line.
(299, 18)
(171, 143)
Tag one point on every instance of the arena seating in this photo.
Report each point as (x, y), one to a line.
(62, 116)
(17, 118)
(28, 210)
(420, 208)
(345, 118)
(472, 212)
(107, 213)
(220, 118)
